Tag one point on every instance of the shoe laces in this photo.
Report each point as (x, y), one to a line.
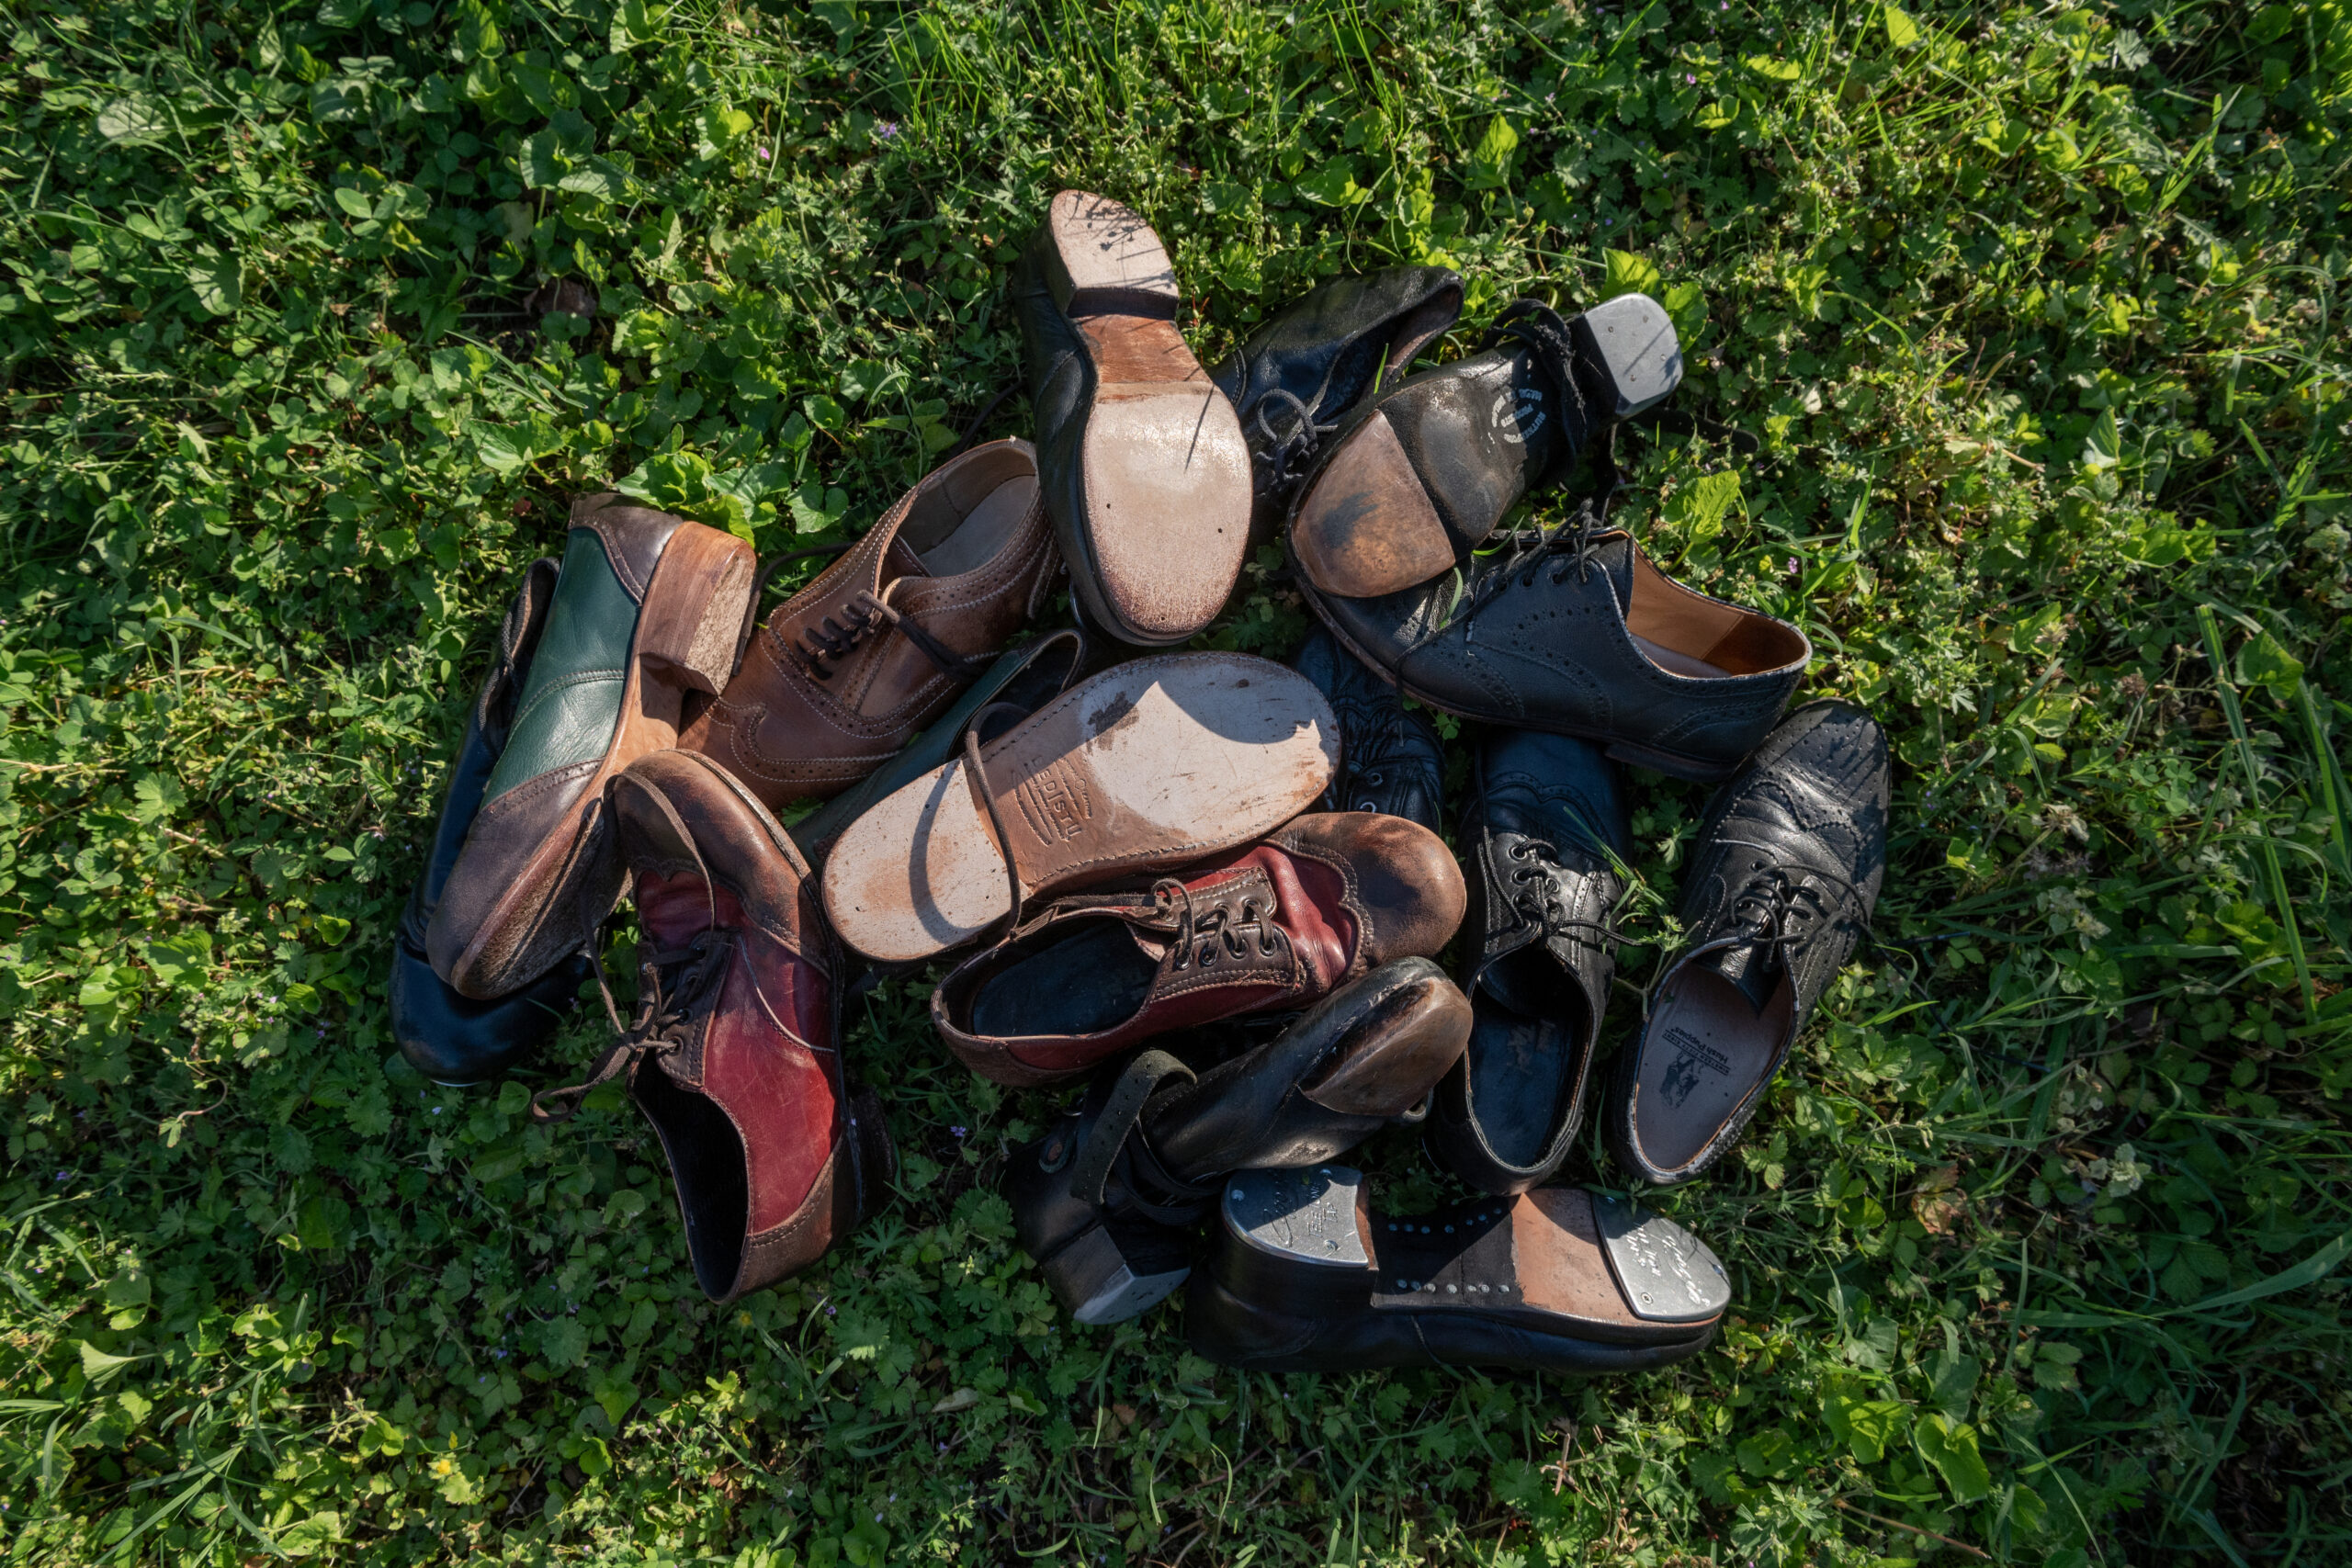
(674, 989)
(1287, 452)
(1222, 931)
(1778, 912)
(827, 643)
(1536, 897)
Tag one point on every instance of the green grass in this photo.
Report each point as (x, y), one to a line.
(2038, 313)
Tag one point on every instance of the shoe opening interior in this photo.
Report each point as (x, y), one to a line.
(960, 525)
(1522, 1072)
(1095, 979)
(707, 1162)
(1689, 634)
(1706, 1047)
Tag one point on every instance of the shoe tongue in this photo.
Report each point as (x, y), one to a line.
(1754, 970)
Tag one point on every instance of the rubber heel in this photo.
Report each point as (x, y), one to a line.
(1100, 1283)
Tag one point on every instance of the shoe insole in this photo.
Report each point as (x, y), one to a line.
(975, 541)
(1669, 660)
(1522, 1071)
(1704, 1051)
(1092, 980)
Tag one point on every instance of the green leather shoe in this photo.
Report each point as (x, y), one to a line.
(648, 608)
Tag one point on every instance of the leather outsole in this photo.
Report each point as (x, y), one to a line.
(1166, 473)
(1155, 762)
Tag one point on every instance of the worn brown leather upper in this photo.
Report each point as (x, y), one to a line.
(738, 1067)
(1278, 924)
(873, 649)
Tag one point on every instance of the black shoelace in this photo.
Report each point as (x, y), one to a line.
(863, 614)
(1288, 453)
(1778, 912)
(1537, 898)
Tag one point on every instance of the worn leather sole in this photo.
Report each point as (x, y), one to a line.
(1166, 473)
(1674, 764)
(689, 628)
(1308, 1276)
(1155, 762)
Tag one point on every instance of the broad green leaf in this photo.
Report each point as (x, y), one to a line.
(102, 1367)
(634, 23)
(565, 1342)
(1490, 160)
(598, 177)
(501, 448)
(128, 121)
(353, 202)
(1332, 184)
(1868, 1427)
(867, 378)
(2265, 662)
(1686, 306)
(158, 796)
(306, 1537)
(1773, 69)
(1627, 274)
(220, 286)
(825, 414)
(1769, 1453)
(2103, 448)
(1951, 1447)
(817, 506)
(1700, 506)
(1901, 30)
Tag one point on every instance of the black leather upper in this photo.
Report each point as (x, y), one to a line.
(1782, 878)
(1390, 761)
(1246, 1111)
(1537, 640)
(452, 1038)
(1293, 377)
(1545, 816)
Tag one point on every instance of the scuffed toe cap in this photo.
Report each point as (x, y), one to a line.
(1408, 889)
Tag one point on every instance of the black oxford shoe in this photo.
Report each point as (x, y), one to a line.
(1390, 761)
(1299, 373)
(1582, 636)
(1306, 1275)
(451, 1038)
(1103, 1201)
(1779, 888)
(1418, 477)
(1547, 838)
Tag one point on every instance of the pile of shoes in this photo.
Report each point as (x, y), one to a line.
(1207, 888)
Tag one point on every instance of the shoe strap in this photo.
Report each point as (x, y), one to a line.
(1136, 1083)
(976, 779)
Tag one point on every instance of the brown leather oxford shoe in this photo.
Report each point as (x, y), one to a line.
(732, 1057)
(880, 643)
(1280, 924)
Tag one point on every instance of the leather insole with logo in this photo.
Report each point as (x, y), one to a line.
(1706, 1050)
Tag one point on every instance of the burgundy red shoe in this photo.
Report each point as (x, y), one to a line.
(1279, 924)
(732, 1056)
